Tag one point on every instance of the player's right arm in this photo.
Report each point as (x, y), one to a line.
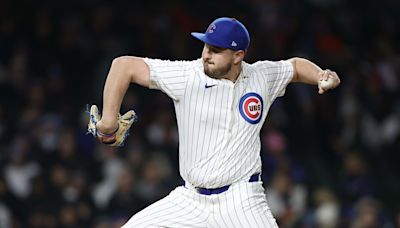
(305, 71)
(124, 71)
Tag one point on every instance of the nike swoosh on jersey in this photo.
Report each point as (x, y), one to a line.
(209, 86)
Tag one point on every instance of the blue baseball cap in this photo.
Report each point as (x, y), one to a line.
(225, 32)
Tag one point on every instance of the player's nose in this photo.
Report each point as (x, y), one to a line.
(206, 56)
(206, 53)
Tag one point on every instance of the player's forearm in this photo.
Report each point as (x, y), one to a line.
(116, 85)
(124, 70)
(305, 71)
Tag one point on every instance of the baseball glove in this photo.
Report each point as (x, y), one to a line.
(118, 137)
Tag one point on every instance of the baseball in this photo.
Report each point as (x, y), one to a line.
(327, 84)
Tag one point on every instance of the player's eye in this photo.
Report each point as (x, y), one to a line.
(214, 49)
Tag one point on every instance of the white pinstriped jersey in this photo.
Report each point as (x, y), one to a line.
(219, 121)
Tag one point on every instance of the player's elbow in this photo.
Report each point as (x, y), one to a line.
(123, 61)
(135, 68)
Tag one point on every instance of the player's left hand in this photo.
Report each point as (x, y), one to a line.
(327, 80)
(117, 138)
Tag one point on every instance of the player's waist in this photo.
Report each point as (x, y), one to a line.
(210, 191)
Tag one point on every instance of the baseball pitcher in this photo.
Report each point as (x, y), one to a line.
(221, 103)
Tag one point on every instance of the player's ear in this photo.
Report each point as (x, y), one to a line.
(238, 56)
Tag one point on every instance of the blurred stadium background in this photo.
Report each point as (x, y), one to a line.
(329, 161)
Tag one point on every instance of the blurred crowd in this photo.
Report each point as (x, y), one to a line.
(329, 160)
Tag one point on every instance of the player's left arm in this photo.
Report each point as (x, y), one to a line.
(305, 71)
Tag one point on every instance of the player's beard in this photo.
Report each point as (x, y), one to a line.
(217, 73)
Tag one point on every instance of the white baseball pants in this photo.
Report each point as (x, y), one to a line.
(243, 205)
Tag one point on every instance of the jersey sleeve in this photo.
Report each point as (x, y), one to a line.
(276, 74)
(168, 76)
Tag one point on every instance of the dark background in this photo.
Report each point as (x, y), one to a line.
(330, 160)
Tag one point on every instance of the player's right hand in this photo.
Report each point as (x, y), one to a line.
(327, 80)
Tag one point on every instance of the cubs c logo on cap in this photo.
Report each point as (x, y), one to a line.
(251, 107)
(211, 28)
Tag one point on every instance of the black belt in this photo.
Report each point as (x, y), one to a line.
(211, 191)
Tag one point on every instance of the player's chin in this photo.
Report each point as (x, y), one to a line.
(207, 71)
(210, 73)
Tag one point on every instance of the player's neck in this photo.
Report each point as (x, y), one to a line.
(234, 73)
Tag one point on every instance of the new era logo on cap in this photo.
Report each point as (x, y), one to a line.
(225, 32)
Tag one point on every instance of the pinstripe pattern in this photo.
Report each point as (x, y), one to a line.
(181, 208)
(218, 146)
(243, 206)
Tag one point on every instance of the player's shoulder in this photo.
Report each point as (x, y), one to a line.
(268, 65)
(168, 62)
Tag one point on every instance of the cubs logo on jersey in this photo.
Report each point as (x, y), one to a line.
(251, 107)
